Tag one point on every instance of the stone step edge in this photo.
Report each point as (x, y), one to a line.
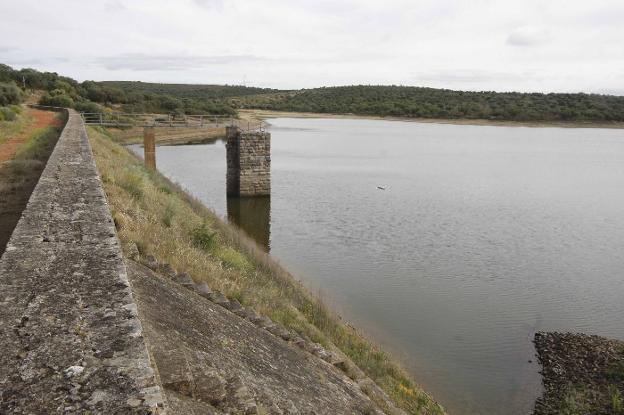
(335, 357)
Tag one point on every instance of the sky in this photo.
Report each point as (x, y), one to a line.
(519, 45)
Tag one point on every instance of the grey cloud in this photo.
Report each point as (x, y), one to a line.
(527, 36)
(143, 62)
(209, 4)
(114, 6)
(21, 59)
(471, 76)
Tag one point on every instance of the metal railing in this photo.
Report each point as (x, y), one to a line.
(121, 119)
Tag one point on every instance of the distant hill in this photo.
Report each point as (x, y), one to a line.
(192, 91)
(418, 102)
(393, 100)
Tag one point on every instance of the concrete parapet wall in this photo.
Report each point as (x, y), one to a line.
(248, 163)
(70, 338)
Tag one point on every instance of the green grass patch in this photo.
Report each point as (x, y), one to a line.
(10, 128)
(616, 372)
(234, 259)
(204, 238)
(132, 182)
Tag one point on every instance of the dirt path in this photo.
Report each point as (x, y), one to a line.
(39, 119)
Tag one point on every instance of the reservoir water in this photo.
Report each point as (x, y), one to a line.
(482, 236)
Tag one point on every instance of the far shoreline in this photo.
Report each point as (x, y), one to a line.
(254, 114)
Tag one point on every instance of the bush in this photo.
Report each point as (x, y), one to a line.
(87, 106)
(6, 114)
(16, 108)
(132, 182)
(170, 212)
(203, 238)
(57, 100)
(9, 94)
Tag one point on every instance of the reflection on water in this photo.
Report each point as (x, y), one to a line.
(252, 215)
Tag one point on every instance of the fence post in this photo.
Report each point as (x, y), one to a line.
(149, 147)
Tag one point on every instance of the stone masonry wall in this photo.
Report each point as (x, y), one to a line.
(232, 158)
(249, 163)
(70, 338)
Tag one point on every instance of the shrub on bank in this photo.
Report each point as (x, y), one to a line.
(6, 114)
(9, 94)
(57, 99)
(87, 106)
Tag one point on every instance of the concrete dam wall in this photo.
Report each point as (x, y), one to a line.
(71, 340)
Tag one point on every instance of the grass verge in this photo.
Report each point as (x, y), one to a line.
(10, 128)
(164, 221)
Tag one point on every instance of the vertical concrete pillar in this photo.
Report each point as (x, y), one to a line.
(248, 162)
(149, 147)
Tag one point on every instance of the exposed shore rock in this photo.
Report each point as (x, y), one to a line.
(581, 374)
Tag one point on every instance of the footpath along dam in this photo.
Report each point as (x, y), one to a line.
(84, 329)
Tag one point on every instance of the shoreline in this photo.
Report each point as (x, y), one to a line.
(260, 115)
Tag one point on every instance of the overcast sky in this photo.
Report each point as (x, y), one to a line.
(525, 45)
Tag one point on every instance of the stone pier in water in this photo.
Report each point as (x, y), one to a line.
(248, 162)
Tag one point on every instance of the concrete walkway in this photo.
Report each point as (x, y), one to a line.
(70, 338)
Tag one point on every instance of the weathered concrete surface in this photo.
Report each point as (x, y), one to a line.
(211, 361)
(70, 339)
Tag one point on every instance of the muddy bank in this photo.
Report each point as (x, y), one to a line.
(580, 373)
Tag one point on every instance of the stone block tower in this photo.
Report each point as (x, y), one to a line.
(248, 162)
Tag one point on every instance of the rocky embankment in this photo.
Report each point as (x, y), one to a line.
(215, 356)
(581, 374)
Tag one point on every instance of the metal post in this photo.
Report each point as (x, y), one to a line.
(149, 147)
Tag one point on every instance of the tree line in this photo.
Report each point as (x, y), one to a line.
(418, 102)
(399, 101)
(141, 97)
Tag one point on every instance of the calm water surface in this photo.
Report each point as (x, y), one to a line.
(483, 236)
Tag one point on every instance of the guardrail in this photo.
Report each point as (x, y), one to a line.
(121, 119)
